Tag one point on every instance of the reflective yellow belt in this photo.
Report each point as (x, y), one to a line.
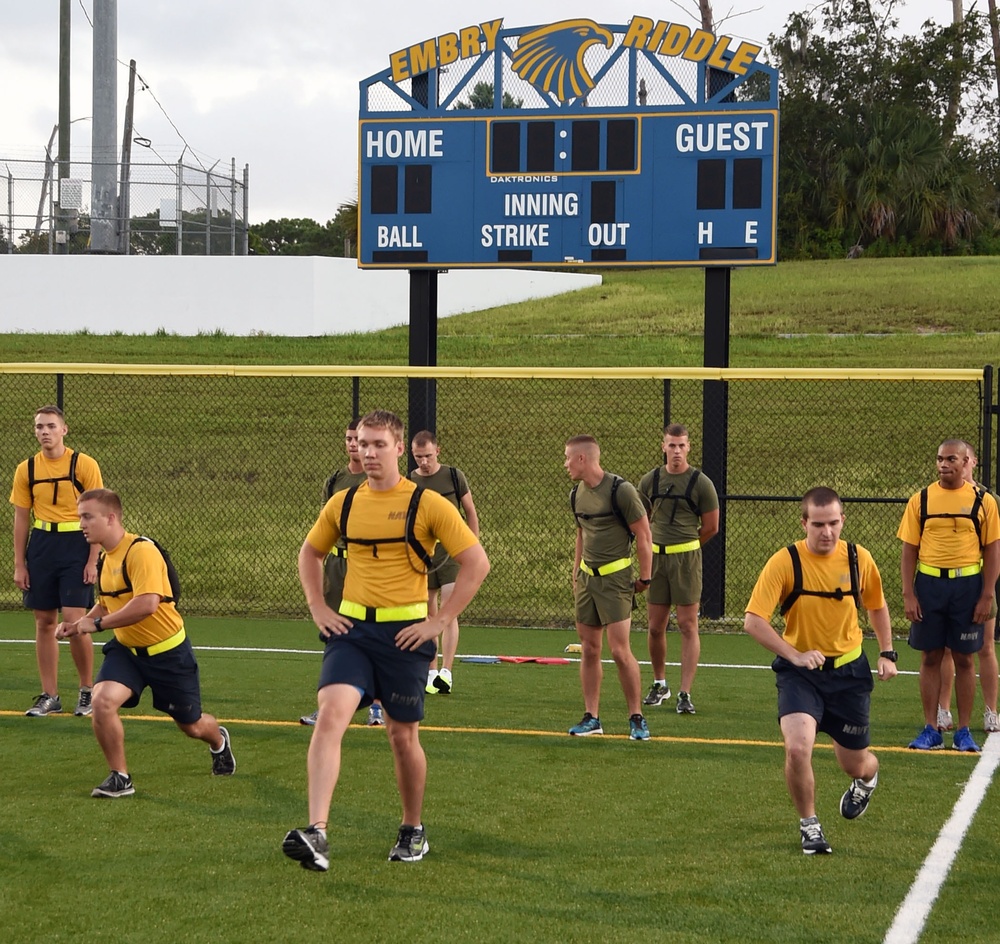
(57, 525)
(383, 614)
(837, 661)
(676, 548)
(606, 569)
(970, 570)
(171, 642)
(338, 552)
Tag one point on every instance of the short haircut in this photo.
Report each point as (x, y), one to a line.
(383, 419)
(353, 424)
(51, 408)
(675, 429)
(425, 438)
(105, 497)
(820, 496)
(969, 448)
(959, 445)
(582, 440)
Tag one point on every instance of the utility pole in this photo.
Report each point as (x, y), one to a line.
(104, 157)
(65, 33)
(995, 32)
(124, 189)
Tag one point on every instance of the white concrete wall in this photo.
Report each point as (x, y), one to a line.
(290, 296)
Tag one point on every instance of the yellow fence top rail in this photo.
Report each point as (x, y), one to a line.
(498, 373)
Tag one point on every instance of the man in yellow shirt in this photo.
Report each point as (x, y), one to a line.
(150, 646)
(380, 640)
(56, 569)
(823, 677)
(949, 565)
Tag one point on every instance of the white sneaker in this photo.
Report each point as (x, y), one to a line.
(442, 682)
(944, 722)
(991, 722)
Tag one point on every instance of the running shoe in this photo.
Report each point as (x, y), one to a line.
(813, 840)
(116, 785)
(928, 740)
(963, 741)
(588, 725)
(656, 695)
(411, 845)
(855, 799)
(44, 705)
(308, 847)
(83, 704)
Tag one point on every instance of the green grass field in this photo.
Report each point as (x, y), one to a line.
(688, 839)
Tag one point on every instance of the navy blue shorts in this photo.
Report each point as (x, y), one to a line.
(367, 658)
(839, 699)
(947, 606)
(172, 676)
(55, 562)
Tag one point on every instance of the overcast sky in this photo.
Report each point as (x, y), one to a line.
(275, 84)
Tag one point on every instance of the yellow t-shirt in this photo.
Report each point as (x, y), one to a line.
(389, 573)
(147, 573)
(950, 542)
(823, 623)
(54, 501)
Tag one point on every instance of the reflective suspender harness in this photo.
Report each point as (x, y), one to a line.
(838, 594)
(69, 477)
(616, 480)
(172, 576)
(408, 537)
(973, 514)
(656, 499)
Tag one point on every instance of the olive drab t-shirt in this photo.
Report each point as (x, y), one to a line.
(675, 522)
(340, 480)
(442, 483)
(604, 538)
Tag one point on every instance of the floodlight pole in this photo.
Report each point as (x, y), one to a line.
(715, 432)
(422, 392)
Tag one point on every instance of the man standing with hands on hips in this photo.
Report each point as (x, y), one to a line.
(949, 567)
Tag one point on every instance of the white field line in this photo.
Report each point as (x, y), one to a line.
(317, 651)
(913, 913)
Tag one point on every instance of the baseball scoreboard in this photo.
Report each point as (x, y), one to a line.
(570, 182)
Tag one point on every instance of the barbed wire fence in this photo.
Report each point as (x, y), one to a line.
(164, 209)
(224, 465)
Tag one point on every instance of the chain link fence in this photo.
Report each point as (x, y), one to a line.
(224, 466)
(163, 209)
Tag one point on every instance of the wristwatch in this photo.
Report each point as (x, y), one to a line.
(97, 624)
(645, 583)
(889, 654)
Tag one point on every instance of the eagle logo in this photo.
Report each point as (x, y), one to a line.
(551, 58)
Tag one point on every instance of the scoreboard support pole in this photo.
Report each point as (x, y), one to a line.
(715, 431)
(422, 392)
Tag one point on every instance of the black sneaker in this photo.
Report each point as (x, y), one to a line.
(656, 695)
(223, 762)
(813, 840)
(855, 799)
(411, 845)
(308, 847)
(684, 705)
(116, 785)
